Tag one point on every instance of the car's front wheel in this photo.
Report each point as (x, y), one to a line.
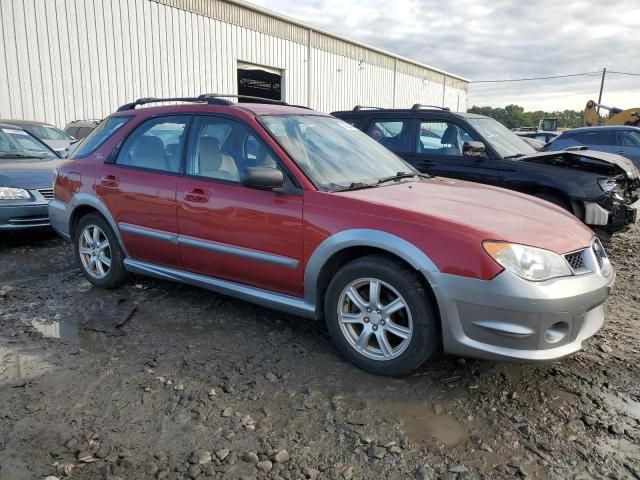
(98, 252)
(380, 316)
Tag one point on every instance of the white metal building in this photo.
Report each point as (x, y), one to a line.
(62, 60)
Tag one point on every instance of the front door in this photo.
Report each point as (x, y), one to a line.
(139, 189)
(438, 151)
(227, 230)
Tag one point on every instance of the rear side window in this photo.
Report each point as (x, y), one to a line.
(393, 134)
(73, 131)
(594, 138)
(629, 138)
(99, 135)
(157, 144)
(439, 137)
(83, 132)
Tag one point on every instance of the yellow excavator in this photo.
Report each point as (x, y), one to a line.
(617, 116)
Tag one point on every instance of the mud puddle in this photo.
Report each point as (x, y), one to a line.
(424, 423)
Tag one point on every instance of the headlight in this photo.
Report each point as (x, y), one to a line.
(530, 263)
(9, 193)
(607, 184)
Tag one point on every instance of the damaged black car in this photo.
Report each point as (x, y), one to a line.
(601, 189)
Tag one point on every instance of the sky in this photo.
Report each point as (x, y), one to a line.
(499, 39)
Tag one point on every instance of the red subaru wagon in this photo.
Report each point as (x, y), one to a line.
(299, 211)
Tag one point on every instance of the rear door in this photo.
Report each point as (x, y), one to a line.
(438, 151)
(139, 189)
(628, 144)
(227, 230)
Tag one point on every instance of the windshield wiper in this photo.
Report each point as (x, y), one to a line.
(517, 155)
(18, 155)
(400, 175)
(355, 186)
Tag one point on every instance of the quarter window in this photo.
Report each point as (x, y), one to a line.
(98, 136)
(221, 149)
(156, 145)
(393, 134)
(442, 138)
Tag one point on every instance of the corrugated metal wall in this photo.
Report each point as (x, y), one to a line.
(62, 60)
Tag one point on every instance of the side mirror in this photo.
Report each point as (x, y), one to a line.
(263, 178)
(473, 149)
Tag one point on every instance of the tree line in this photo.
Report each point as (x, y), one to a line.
(514, 116)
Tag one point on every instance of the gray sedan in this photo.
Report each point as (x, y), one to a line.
(26, 179)
(54, 137)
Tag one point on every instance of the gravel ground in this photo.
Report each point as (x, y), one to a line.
(158, 380)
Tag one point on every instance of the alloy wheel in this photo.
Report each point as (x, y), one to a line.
(95, 251)
(375, 319)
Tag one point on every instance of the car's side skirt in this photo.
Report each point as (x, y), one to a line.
(277, 301)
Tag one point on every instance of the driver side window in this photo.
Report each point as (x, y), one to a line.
(439, 137)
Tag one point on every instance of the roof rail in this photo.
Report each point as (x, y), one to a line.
(202, 98)
(210, 98)
(417, 107)
(357, 108)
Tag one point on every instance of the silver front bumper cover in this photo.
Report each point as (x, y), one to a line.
(509, 318)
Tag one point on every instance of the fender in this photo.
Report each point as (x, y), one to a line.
(362, 238)
(61, 213)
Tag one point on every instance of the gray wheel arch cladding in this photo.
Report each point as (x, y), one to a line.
(362, 238)
(84, 200)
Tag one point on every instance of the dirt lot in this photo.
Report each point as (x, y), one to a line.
(157, 380)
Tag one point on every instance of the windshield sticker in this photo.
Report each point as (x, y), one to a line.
(14, 132)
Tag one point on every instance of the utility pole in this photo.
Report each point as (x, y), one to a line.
(604, 72)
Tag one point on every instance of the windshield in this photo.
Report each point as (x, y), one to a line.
(332, 153)
(46, 132)
(506, 143)
(16, 143)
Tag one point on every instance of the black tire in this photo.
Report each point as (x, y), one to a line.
(425, 337)
(555, 199)
(116, 274)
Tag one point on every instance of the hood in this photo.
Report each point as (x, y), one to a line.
(590, 160)
(492, 213)
(27, 173)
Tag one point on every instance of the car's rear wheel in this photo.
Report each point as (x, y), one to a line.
(98, 252)
(380, 316)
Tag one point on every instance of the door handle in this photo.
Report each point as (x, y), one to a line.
(110, 181)
(621, 152)
(197, 195)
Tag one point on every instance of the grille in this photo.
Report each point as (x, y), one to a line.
(599, 252)
(575, 260)
(47, 193)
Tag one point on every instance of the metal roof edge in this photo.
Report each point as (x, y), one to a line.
(274, 14)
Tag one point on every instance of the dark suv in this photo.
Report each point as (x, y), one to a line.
(601, 189)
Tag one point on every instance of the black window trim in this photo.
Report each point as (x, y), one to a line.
(292, 187)
(115, 153)
(411, 121)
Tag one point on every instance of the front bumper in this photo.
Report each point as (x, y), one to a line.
(509, 318)
(610, 214)
(22, 215)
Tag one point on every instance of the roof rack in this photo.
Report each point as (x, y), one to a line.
(417, 107)
(210, 98)
(357, 108)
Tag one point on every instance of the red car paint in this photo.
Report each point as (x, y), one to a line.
(447, 219)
